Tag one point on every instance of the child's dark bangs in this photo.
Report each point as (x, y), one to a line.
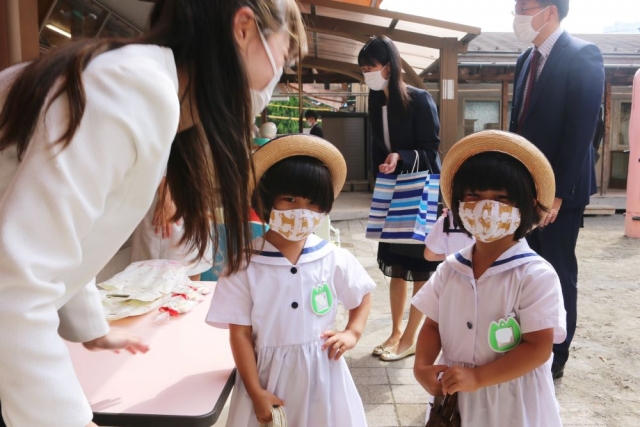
(495, 171)
(303, 176)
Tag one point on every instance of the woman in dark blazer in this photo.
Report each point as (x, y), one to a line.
(404, 123)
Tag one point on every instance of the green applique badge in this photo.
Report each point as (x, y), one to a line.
(504, 334)
(321, 298)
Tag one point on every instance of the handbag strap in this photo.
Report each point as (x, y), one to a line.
(416, 164)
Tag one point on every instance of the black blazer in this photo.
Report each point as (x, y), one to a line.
(418, 130)
(316, 130)
(563, 113)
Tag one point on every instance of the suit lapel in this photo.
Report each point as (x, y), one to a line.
(550, 65)
(521, 83)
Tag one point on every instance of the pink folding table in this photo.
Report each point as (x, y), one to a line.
(184, 379)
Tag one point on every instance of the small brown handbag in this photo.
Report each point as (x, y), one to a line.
(444, 412)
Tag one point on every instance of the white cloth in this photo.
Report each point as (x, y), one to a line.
(146, 244)
(64, 213)
(439, 242)
(519, 282)
(385, 127)
(274, 298)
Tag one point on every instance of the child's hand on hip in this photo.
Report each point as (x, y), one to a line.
(458, 378)
(429, 377)
(116, 341)
(263, 401)
(338, 342)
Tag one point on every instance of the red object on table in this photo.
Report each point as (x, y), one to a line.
(184, 379)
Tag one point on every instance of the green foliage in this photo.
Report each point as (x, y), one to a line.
(285, 114)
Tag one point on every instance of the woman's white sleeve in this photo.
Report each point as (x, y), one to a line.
(82, 318)
(46, 214)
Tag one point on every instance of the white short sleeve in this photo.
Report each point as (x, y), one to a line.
(541, 305)
(427, 300)
(435, 239)
(232, 301)
(351, 280)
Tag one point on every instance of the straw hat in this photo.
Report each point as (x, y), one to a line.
(302, 145)
(503, 142)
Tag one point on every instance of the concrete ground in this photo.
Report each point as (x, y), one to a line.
(391, 395)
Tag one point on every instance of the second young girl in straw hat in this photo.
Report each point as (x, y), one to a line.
(495, 308)
(281, 308)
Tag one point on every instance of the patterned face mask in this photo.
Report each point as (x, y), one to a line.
(295, 224)
(489, 220)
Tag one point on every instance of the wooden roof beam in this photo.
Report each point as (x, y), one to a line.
(346, 68)
(393, 15)
(362, 32)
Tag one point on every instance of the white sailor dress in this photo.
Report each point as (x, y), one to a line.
(289, 307)
(480, 320)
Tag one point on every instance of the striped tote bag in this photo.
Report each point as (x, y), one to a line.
(404, 207)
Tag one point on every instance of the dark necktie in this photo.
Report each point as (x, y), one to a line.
(533, 73)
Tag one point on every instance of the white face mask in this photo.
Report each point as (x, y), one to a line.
(375, 81)
(260, 98)
(523, 27)
(489, 220)
(295, 224)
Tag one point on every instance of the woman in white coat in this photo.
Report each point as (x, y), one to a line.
(86, 133)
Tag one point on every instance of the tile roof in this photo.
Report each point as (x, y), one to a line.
(504, 48)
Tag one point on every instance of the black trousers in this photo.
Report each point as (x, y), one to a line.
(557, 244)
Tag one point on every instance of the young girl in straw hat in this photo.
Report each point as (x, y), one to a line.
(494, 308)
(281, 308)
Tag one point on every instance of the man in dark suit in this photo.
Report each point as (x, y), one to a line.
(312, 118)
(557, 94)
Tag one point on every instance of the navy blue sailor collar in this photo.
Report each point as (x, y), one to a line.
(515, 256)
(314, 249)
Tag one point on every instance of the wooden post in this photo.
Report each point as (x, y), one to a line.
(4, 36)
(606, 144)
(504, 112)
(448, 94)
(18, 31)
(300, 101)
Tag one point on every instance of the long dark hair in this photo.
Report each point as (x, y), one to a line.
(210, 166)
(381, 50)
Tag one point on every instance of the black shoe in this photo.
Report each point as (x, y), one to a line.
(557, 372)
